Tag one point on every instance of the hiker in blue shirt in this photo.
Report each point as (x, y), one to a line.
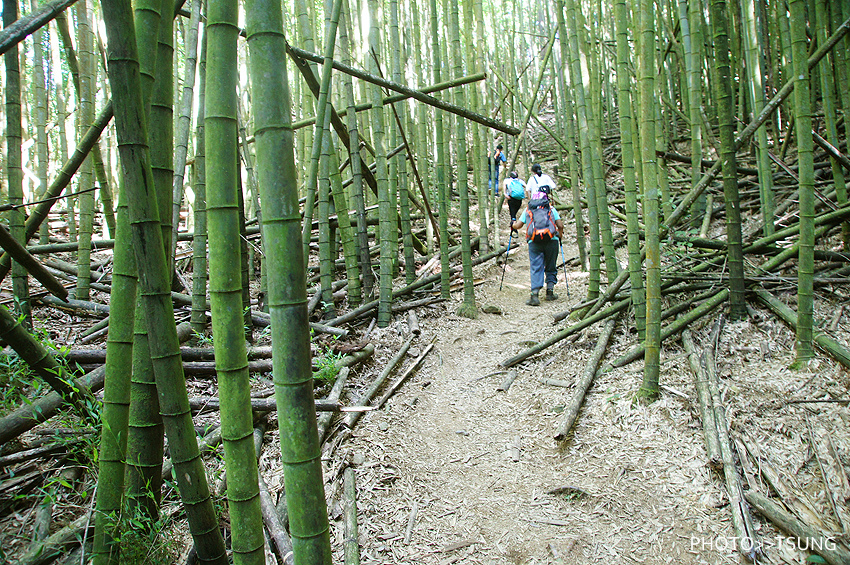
(542, 254)
(515, 193)
(498, 158)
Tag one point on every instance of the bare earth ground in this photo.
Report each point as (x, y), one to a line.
(630, 485)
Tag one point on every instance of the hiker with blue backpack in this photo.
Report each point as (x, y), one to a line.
(515, 193)
(545, 228)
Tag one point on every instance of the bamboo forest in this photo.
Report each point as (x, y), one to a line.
(373, 281)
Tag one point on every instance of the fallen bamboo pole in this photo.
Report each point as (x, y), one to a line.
(571, 411)
(709, 426)
(363, 399)
(565, 333)
(399, 381)
(351, 544)
(748, 541)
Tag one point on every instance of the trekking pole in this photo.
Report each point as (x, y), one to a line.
(563, 258)
(505, 266)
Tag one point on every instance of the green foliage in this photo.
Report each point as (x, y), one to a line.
(145, 541)
(18, 382)
(327, 366)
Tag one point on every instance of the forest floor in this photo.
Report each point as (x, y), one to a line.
(451, 470)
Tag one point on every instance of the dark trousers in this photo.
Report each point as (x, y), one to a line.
(514, 204)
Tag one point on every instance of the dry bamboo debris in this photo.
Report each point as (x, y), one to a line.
(572, 409)
(807, 538)
(785, 485)
(507, 381)
(832, 471)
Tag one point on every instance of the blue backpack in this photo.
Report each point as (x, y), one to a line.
(517, 189)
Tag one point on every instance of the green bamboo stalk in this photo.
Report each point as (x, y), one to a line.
(386, 226)
(441, 159)
(355, 292)
(467, 309)
(646, 83)
(805, 153)
(322, 110)
(155, 281)
(565, 80)
(40, 93)
(624, 103)
(590, 80)
(85, 44)
(14, 169)
(116, 396)
(756, 98)
(827, 84)
(225, 252)
(326, 259)
(723, 84)
(595, 255)
(300, 448)
(184, 119)
(199, 237)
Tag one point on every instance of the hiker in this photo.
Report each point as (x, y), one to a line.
(498, 158)
(515, 193)
(537, 181)
(545, 227)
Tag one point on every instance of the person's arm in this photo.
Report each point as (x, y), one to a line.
(560, 225)
(517, 225)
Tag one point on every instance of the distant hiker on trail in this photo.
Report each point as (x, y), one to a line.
(498, 157)
(515, 193)
(545, 227)
(537, 181)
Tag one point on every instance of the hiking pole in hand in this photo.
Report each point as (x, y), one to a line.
(508, 252)
(566, 280)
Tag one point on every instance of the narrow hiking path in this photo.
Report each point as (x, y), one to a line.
(477, 473)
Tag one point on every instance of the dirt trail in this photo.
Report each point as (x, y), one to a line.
(630, 485)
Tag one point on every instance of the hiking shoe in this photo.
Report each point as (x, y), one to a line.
(534, 300)
(550, 295)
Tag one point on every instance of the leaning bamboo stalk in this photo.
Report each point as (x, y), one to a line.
(571, 411)
(826, 547)
(366, 396)
(31, 264)
(63, 178)
(44, 364)
(205, 403)
(829, 345)
(297, 53)
(709, 426)
(26, 25)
